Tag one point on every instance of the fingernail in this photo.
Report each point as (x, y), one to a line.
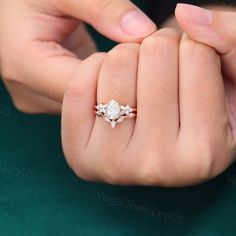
(136, 23)
(197, 15)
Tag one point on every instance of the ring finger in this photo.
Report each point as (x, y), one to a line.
(117, 81)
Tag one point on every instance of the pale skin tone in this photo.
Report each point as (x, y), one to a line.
(181, 136)
(218, 33)
(42, 47)
(43, 42)
(184, 133)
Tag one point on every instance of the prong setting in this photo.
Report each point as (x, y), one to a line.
(114, 113)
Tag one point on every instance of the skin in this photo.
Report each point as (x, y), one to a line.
(44, 41)
(38, 63)
(220, 34)
(181, 136)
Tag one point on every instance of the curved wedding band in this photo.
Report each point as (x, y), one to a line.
(114, 113)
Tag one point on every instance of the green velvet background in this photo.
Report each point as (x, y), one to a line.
(39, 194)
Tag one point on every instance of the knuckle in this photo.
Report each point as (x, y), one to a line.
(112, 178)
(203, 163)
(200, 160)
(122, 54)
(161, 41)
(112, 171)
(198, 52)
(204, 170)
(116, 167)
(170, 32)
(214, 154)
(150, 177)
(75, 89)
(150, 170)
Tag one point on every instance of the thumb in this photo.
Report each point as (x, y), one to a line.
(214, 28)
(119, 20)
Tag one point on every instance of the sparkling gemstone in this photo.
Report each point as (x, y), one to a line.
(113, 124)
(126, 110)
(101, 108)
(131, 115)
(113, 110)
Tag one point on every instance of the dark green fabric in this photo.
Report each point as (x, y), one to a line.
(41, 196)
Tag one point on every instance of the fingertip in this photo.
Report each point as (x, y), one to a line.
(180, 16)
(136, 24)
(195, 15)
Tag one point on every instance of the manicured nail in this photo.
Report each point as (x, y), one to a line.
(136, 23)
(196, 15)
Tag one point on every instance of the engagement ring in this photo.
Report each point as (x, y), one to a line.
(115, 113)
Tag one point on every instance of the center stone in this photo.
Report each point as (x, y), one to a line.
(113, 110)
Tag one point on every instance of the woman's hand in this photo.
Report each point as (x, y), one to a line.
(181, 136)
(43, 42)
(218, 30)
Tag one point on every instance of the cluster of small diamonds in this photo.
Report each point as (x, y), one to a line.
(113, 112)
